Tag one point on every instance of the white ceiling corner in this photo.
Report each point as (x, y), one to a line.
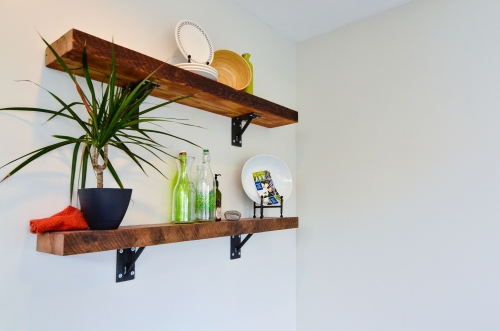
(299, 20)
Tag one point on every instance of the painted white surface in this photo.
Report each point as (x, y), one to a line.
(185, 286)
(399, 137)
(300, 20)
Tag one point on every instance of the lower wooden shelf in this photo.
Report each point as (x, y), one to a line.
(89, 241)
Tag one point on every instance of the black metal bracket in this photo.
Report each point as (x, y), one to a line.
(236, 244)
(262, 207)
(237, 129)
(125, 263)
(130, 87)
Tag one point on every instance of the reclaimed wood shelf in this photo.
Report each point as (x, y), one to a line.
(133, 67)
(89, 241)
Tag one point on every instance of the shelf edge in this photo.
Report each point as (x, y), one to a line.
(87, 241)
(209, 95)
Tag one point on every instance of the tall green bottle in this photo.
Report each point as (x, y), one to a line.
(249, 88)
(182, 198)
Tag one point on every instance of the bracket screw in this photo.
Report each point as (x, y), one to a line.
(232, 254)
(121, 251)
(132, 273)
(239, 253)
(120, 276)
(133, 249)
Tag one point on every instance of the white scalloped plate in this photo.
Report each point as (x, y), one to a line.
(280, 173)
(196, 66)
(203, 73)
(193, 40)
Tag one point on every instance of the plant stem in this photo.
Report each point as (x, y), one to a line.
(99, 169)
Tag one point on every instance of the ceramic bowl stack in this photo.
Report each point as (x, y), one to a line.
(200, 69)
(196, 47)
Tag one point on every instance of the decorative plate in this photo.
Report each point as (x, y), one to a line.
(203, 73)
(196, 66)
(280, 174)
(193, 40)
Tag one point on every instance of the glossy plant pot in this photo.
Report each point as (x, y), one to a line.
(104, 208)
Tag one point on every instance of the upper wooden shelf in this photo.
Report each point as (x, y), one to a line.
(89, 241)
(133, 66)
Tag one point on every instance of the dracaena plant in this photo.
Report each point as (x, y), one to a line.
(110, 120)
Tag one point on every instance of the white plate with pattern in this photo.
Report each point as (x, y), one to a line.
(189, 66)
(203, 73)
(193, 41)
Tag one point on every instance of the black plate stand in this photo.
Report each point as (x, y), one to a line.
(262, 207)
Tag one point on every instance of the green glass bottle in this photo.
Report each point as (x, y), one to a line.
(249, 88)
(205, 191)
(218, 200)
(182, 194)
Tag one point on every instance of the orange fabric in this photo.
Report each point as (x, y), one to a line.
(68, 219)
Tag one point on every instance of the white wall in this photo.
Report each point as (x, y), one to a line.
(398, 162)
(185, 286)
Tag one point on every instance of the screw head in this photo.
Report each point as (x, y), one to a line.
(239, 253)
(121, 251)
(120, 276)
(232, 254)
(132, 273)
(133, 249)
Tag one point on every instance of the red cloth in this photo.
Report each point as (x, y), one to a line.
(68, 219)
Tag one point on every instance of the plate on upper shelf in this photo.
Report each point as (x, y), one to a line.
(280, 174)
(196, 66)
(193, 40)
(200, 69)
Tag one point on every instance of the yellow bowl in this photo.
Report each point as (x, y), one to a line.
(232, 68)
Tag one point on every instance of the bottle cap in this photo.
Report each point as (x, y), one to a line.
(205, 151)
(182, 153)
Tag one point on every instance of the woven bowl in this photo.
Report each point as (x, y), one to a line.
(232, 68)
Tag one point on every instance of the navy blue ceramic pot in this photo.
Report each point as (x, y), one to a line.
(104, 208)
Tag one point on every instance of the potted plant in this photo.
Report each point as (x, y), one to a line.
(112, 121)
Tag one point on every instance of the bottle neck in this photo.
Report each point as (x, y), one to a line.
(205, 158)
(183, 165)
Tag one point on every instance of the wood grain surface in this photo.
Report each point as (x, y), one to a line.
(88, 241)
(133, 66)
